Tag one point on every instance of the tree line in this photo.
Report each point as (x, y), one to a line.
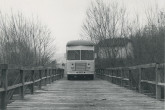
(24, 41)
(110, 21)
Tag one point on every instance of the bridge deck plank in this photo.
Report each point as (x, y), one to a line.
(85, 95)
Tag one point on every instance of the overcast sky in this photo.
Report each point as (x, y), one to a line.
(65, 17)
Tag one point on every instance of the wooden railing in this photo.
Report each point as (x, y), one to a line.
(26, 80)
(148, 79)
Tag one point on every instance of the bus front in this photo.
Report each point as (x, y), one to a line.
(80, 60)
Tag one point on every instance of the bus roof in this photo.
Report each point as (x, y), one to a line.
(80, 43)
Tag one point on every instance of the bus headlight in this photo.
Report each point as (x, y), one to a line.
(72, 66)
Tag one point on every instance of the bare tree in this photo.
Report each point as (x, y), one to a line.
(105, 21)
(23, 41)
(148, 41)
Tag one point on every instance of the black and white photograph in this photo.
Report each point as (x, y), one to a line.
(82, 54)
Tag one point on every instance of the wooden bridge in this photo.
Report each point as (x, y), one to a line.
(113, 89)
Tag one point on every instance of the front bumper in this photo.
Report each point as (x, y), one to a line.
(80, 72)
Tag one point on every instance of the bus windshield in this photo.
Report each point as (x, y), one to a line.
(85, 55)
(73, 55)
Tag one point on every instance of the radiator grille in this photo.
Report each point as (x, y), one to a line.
(80, 66)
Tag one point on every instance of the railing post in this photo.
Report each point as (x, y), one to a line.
(103, 73)
(4, 101)
(107, 74)
(112, 75)
(98, 74)
(130, 79)
(53, 72)
(57, 74)
(50, 72)
(121, 75)
(63, 71)
(52, 75)
(140, 78)
(158, 88)
(113, 79)
(46, 76)
(32, 85)
(115, 76)
(22, 88)
(49, 79)
(40, 76)
(61, 74)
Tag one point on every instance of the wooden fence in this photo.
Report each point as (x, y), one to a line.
(24, 80)
(148, 79)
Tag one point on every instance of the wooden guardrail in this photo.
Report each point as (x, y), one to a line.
(24, 80)
(148, 79)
